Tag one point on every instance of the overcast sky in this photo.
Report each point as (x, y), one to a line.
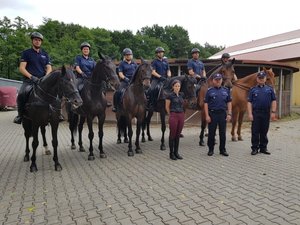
(217, 22)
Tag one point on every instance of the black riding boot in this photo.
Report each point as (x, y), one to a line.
(176, 148)
(21, 105)
(171, 145)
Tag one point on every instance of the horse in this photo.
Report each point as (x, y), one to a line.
(94, 104)
(43, 107)
(240, 93)
(133, 105)
(187, 87)
(228, 72)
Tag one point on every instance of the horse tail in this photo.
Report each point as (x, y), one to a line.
(122, 124)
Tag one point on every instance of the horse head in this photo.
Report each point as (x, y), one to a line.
(270, 77)
(69, 88)
(143, 74)
(105, 70)
(228, 72)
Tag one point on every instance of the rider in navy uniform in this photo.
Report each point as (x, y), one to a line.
(126, 71)
(261, 100)
(195, 66)
(217, 100)
(84, 64)
(34, 64)
(160, 73)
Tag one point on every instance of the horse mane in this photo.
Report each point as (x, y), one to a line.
(136, 72)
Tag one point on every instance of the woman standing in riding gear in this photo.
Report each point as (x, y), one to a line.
(126, 70)
(34, 64)
(195, 66)
(174, 107)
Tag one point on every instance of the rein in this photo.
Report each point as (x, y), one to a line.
(241, 86)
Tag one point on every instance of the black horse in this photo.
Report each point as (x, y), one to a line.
(43, 107)
(94, 103)
(187, 87)
(134, 105)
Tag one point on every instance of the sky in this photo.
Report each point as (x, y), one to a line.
(217, 22)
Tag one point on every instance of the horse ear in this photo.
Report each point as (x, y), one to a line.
(143, 60)
(264, 69)
(101, 56)
(63, 70)
(232, 61)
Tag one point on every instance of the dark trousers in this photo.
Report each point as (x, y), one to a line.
(259, 130)
(118, 93)
(218, 119)
(176, 122)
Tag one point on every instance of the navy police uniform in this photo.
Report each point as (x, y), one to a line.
(87, 66)
(128, 69)
(261, 98)
(36, 66)
(217, 99)
(196, 65)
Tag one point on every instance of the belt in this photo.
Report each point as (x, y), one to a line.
(217, 110)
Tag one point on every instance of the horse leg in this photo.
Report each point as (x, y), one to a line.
(150, 114)
(130, 152)
(45, 144)
(125, 136)
(35, 143)
(143, 130)
(234, 119)
(201, 136)
(240, 122)
(101, 119)
(163, 129)
(91, 137)
(119, 133)
(80, 128)
(138, 149)
(54, 128)
(27, 134)
(73, 121)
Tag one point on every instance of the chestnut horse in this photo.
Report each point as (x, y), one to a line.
(240, 92)
(134, 105)
(228, 72)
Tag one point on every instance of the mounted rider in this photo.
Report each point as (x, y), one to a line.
(126, 71)
(195, 66)
(160, 73)
(34, 64)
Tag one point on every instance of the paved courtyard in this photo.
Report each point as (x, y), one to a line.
(149, 188)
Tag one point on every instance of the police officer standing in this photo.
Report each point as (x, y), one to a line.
(217, 100)
(35, 63)
(126, 71)
(160, 73)
(261, 100)
(195, 66)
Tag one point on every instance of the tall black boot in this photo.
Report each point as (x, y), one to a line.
(20, 102)
(176, 148)
(171, 145)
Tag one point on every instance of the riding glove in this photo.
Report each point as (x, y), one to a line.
(34, 79)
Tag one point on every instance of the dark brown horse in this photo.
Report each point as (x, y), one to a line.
(187, 87)
(228, 72)
(240, 93)
(94, 104)
(43, 107)
(133, 105)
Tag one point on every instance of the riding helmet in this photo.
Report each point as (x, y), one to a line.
(36, 35)
(225, 56)
(194, 50)
(127, 51)
(159, 49)
(85, 44)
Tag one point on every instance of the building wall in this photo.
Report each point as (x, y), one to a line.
(295, 85)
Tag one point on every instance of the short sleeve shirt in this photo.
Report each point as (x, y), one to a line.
(217, 98)
(127, 69)
(87, 65)
(176, 102)
(261, 97)
(196, 65)
(161, 67)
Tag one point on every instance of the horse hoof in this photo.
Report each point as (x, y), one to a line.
(26, 158)
(143, 139)
(73, 146)
(138, 151)
(240, 139)
(150, 139)
(162, 147)
(33, 169)
(91, 158)
(81, 149)
(126, 140)
(48, 152)
(58, 167)
(130, 154)
(233, 139)
(103, 155)
(119, 141)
